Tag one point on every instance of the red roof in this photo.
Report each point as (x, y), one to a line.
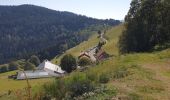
(101, 55)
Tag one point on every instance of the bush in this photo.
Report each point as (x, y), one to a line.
(29, 66)
(13, 66)
(68, 63)
(3, 69)
(84, 61)
(103, 78)
(79, 84)
(34, 60)
(56, 89)
(69, 87)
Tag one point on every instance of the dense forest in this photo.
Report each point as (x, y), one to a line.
(147, 26)
(27, 30)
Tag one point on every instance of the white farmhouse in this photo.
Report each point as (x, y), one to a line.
(45, 69)
(52, 69)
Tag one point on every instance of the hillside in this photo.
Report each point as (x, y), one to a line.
(137, 76)
(27, 29)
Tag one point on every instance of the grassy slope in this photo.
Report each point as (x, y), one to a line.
(112, 36)
(149, 73)
(10, 84)
(77, 50)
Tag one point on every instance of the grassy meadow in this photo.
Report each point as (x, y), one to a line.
(137, 76)
(15, 85)
(144, 76)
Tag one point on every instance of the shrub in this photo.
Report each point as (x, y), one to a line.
(68, 63)
(29, 66)
(103, 78)
(69, 87)
(13, 66)
(79, 84)
(56, 89)
(3, 69)
(34, 60)
(84, 61)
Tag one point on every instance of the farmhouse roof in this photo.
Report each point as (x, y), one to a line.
(84, 54)
(45, 69)
(47, 65)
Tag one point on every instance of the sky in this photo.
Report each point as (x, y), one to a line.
(101, 9)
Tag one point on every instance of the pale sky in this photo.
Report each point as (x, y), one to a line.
(101, 9)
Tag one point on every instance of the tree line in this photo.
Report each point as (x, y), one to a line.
(147, 26)
(29, 64)
(27, 30)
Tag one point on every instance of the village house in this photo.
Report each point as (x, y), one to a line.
(89, 54)
(101, 55)
(44, 70)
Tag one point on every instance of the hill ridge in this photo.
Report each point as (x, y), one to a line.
(33, 30)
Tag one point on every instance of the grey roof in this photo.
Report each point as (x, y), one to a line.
(48, 66)
(33, 74)
(45, 69)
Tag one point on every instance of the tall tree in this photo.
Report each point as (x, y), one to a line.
(13, 66)
(146, 26)
(34, 60)
(68, 63)
(29, 66)
(3, 69)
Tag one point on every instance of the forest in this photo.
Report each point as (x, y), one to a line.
(147, 27)
(27, 30)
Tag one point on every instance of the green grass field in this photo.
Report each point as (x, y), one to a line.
(138, 76)
(149, 73)
(10, 84)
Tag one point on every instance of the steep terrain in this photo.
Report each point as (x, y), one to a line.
(138, 76)
(27, 29)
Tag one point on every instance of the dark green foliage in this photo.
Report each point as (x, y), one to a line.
(100, 44)
(103, 78)
(27, 30)
(80, 84)
(84, 61)
(147, 25)
(68, 63)
(99, 32)
(34, 60)
(3, 69)
(13, 66)
(56, 89)
(28, 66)
(70, 87)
